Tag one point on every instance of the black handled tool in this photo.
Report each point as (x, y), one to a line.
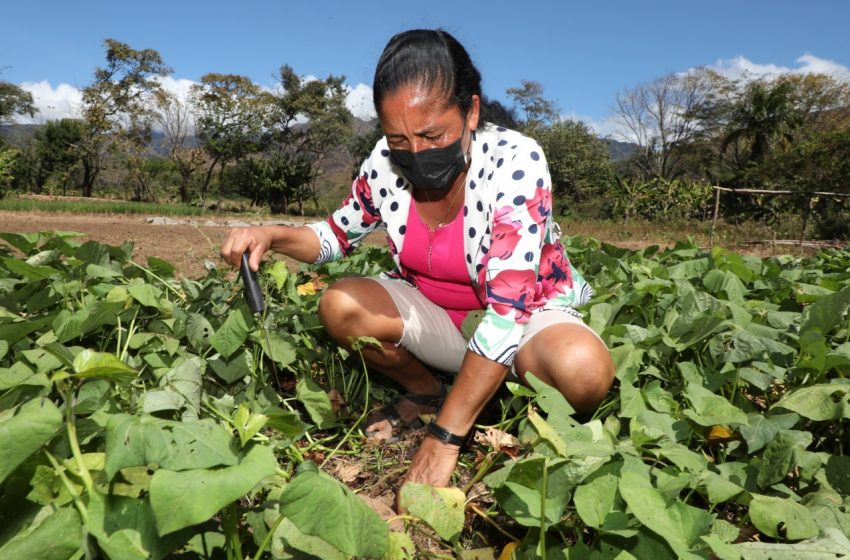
(253, 293)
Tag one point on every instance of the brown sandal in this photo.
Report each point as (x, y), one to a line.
(390, 413)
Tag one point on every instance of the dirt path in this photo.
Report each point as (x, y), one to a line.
(186, 246)
(188, 242)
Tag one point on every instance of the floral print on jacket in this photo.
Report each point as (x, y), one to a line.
(514, 257)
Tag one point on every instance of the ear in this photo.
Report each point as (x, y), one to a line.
(474, 112)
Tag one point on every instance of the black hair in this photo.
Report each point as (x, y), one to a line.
(432, 59)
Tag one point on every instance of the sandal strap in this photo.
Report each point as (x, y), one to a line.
(428, 400)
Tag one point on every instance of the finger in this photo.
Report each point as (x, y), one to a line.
(256, 256)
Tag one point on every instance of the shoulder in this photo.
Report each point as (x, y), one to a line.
(509, 159)
(498, 140)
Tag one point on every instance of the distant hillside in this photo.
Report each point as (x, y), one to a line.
(619, 151)
(19, 135)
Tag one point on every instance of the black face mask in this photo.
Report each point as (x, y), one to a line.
(434, 169)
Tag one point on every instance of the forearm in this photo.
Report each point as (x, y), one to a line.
(476, 383)
(300, 243)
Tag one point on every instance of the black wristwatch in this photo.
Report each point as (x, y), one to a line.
(444, 435)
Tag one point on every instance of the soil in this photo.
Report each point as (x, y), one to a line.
(186, 243)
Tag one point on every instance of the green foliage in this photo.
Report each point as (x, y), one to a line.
(7, 160)
(57, 147)
(578, 161)
(138, 411)
(14, 101)
(659, 199)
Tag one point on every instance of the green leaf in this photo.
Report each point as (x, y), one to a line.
(827, 401)
(236, 367)
(345, 520)
(198, 331)
(595, 500)
(56, 537)
(281, 350)
(279, 273)
(519, 489)
(28, 271)
(679, 524)
(290, 543)
(710, 409)
(247, 424)
(838, 473)
(827, 313)
(548, 433)
(89, 364)
(316, 401)
(160, 267)
(125, 528)
(287, 423)
(441, 508)
(140, 440)
(400, 547)
(146, 294)
(98, 271)
(831, 546)
(762, 429)
(649, 426)
(4, 349)
(782, 518)
(186, 498)
(23, 430)
(233, 332)
(781, 456)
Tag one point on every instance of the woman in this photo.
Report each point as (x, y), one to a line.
(467, 207)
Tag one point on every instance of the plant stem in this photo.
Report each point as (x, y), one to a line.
(483, 515)
(60, 472)
(230, 524)
(543, 509)
(150, 273)
(71, 426)
(268, 537)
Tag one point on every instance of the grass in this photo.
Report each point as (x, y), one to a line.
(99, 207)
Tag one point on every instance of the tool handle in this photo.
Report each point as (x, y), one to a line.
(253, 293)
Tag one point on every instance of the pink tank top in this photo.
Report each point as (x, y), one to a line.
(434, 259)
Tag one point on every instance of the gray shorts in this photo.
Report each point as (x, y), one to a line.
(431, 336)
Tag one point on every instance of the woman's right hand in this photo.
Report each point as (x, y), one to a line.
(257, 240)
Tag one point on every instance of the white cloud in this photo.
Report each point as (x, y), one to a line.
(603, 128)
(64, 100)
(52, 103)
(359, 102)
(743, 67)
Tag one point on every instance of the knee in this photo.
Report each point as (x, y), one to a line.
(339, 307)
(593, 376)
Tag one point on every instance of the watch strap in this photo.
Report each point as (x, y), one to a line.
(444, 435)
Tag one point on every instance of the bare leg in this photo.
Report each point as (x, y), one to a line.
(354, 307)
(571, 359)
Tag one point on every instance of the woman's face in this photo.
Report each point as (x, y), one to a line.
(416, 119)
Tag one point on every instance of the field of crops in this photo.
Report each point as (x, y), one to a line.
(139, 417)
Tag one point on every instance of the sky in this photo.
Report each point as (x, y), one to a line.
(583, 53)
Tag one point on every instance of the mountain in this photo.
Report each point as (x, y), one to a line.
(618, 151)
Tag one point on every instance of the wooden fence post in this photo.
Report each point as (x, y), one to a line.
(714, 217)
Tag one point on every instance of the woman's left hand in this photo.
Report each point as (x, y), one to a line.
(433, 463)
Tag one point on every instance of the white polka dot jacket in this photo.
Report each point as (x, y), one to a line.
(514, 256)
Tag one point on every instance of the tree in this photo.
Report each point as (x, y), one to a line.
(578, 161)
(230, 114)
(58, 152)
(492, 111)
(14, 101)
(664, 116)
(308, 122)
(117, 105)
(538, 110)
(763, 113)
(178, 126)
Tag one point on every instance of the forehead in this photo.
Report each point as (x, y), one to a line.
(413, 104)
